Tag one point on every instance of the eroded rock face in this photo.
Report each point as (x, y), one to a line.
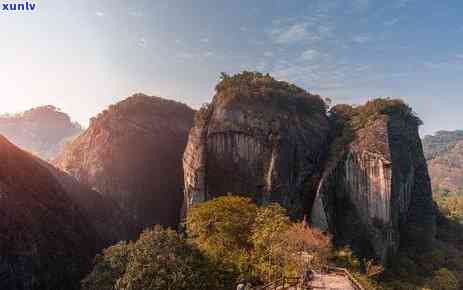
(255, 143)
(359, 173)
(45, 241)
(377, 193)
(132, 153)
(43, 130)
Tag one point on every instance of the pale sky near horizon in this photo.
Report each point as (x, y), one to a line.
(84, 55)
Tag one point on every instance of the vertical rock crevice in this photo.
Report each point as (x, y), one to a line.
(362, 177)
(376, 194)
(251, 143)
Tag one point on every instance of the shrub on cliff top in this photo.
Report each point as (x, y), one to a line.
(360, 116)
(382, 106)
(346, 120)
(253, 86)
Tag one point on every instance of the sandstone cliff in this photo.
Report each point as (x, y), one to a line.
(259, 137)
(42, 131)
(132, 153)
(359, 173)
(45, 241)
(375, 193)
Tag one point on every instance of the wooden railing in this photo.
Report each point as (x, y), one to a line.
(346, 273)
(283, 282)
(286, 282)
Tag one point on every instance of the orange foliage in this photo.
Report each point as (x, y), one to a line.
(306, 239)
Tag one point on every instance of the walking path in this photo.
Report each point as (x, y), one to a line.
(332, 281)
(335, 279)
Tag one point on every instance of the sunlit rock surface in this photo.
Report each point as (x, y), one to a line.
(132, 153)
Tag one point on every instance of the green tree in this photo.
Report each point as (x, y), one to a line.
(268, 242)
(159, 259)
(109, 267)
(222, 228)
(254, 243)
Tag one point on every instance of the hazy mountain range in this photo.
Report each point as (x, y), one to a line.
(42, 130)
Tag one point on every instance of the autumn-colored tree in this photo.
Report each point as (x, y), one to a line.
(255, 243)
(307, 247)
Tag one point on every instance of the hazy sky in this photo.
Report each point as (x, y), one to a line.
(84, 55)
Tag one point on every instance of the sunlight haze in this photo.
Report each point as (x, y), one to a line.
(82, 56)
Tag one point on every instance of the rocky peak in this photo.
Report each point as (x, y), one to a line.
(358, 172)
(378, 187)
(132, 153)
(259, 137)
(140, 106)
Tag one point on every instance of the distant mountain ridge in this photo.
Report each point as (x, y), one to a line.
(43, 130)
(440, 142)
(444, 153)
